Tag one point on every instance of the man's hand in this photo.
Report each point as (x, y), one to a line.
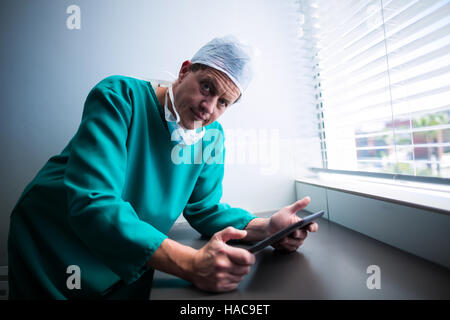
(219, 267)
(286, 217)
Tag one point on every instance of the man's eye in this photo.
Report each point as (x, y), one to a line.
(206, 87)
(223, 103)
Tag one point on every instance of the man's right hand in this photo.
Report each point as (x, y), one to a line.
(218, 267)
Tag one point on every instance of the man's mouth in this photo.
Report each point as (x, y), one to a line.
(197, 116)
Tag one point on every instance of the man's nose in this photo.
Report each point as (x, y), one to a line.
(208, 104)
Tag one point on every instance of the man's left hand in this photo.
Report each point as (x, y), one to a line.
(285, 217)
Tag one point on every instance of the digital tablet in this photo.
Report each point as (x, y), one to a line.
(285, 232)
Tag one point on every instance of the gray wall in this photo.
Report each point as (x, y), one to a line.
(47, 71)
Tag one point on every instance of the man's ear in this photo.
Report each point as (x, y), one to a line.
(185, 69)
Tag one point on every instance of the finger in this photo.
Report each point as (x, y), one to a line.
(227, 282)
(231, 278)
(286, 248)
(299, 205)
(292, 245)
(298, 234)
(313, 227)
(240, 256)
(230, 233)
(229, 287)
(301, 234)
(223, 264)
(289, 242)
(239, 270)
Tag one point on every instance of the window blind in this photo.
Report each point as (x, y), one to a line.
(382, 83)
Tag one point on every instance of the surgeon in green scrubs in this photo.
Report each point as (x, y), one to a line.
(92, 224)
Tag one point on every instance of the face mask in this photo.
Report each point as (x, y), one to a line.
(177, 132)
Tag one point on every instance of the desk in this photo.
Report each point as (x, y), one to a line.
(331, 264)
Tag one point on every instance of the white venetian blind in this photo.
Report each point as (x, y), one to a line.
(382, 80)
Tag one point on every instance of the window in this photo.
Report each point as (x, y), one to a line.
(382, 84)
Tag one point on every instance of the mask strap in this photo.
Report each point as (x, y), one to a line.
(173, 103)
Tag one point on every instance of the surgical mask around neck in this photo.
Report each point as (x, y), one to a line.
(177, 131)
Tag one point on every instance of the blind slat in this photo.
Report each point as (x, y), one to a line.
(382, 84)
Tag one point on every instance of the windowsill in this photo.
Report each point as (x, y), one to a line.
(425, 196)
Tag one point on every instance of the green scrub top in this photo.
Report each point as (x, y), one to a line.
(107, 201)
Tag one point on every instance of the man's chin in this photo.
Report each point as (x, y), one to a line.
(197, 124)
(192, 125)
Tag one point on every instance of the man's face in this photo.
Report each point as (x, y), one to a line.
(202, 96)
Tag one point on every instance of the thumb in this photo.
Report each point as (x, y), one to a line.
(299, 205)
(230, 233)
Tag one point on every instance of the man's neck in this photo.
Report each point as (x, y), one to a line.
(161, 95)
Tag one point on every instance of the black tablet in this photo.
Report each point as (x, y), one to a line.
(286, 231)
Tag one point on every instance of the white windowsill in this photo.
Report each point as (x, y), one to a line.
(435, 197)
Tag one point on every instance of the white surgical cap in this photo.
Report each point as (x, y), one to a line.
(230, 56)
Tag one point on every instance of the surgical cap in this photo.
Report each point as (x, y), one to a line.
(230, 56)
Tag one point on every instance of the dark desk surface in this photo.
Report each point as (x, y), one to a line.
(331, 264)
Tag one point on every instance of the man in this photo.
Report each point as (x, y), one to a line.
(104, 205)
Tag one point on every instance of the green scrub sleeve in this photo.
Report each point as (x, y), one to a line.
(204, 212)
(94, 180)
